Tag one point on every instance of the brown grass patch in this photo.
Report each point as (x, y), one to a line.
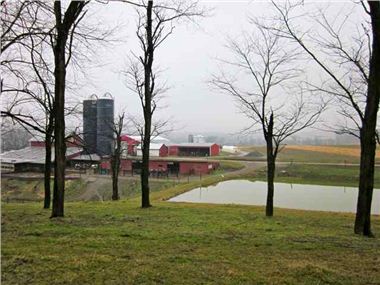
(339, 150)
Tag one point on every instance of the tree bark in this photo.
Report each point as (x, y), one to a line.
(270, 167)
(59, 130)
(59, 117)
(115, 164)
(115, 186)
(145, 201)
(270, 180)
(366, 181)
(47, 170)
(368, 130)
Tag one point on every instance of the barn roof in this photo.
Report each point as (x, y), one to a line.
(33, 155)
(193, 144)
(154, 139)
(88, 157)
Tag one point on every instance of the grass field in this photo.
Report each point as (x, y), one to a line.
(305, 153)
(171, 243)
(339, 150)
(178, 243)
(318, 174)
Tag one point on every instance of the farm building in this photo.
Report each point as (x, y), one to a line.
(197, 167)
(156, 149)
(84, 161)
(32, 158)
(125, 166)
(163, 167)
(130, 144)
(194, 149)
(230, 149)
(133, 145)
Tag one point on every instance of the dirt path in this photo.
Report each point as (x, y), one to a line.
(93, 184)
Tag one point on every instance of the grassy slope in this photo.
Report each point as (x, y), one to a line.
(173, 243)
(21, 190)
(118, 243)
(299, 155)
(319, 174)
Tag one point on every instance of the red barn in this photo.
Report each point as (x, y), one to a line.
(158, 165)
(164, 151)
(194, 149)
(126, 165)
(197, 167)
(132, 144)
(173, 150)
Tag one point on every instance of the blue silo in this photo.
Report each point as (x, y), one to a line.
(104, 122)
(90, 124)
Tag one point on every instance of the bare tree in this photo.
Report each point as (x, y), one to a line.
(65, 23)
(45, 99)
(117, 152)
(52, 45)
(352, 67)
(30, 28)
(155, 25)
(264, 64)
(19, 21)
(28, 74)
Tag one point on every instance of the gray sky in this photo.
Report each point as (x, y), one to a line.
(187, 58)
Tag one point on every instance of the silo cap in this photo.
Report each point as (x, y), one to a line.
(107, 94)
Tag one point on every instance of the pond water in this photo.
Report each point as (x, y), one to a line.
(291, 196)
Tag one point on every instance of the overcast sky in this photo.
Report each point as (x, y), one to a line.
(187, 58)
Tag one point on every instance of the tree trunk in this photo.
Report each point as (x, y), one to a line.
(145, 201)
(366, 180)
(270, 167)
(63, 26)
(270, 180)
(115, 163)
(115, 186)
(47, 171)
(59, 118)
(59, 132)
(368, 131)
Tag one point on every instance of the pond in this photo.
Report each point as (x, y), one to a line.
(291, 196)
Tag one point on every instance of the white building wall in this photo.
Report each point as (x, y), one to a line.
(152, 152)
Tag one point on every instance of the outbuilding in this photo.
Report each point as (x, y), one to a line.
(194, 149)
(197, 167)
(32, 158)
(155, 150)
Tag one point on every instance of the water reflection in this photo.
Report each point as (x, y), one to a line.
(292, 196)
